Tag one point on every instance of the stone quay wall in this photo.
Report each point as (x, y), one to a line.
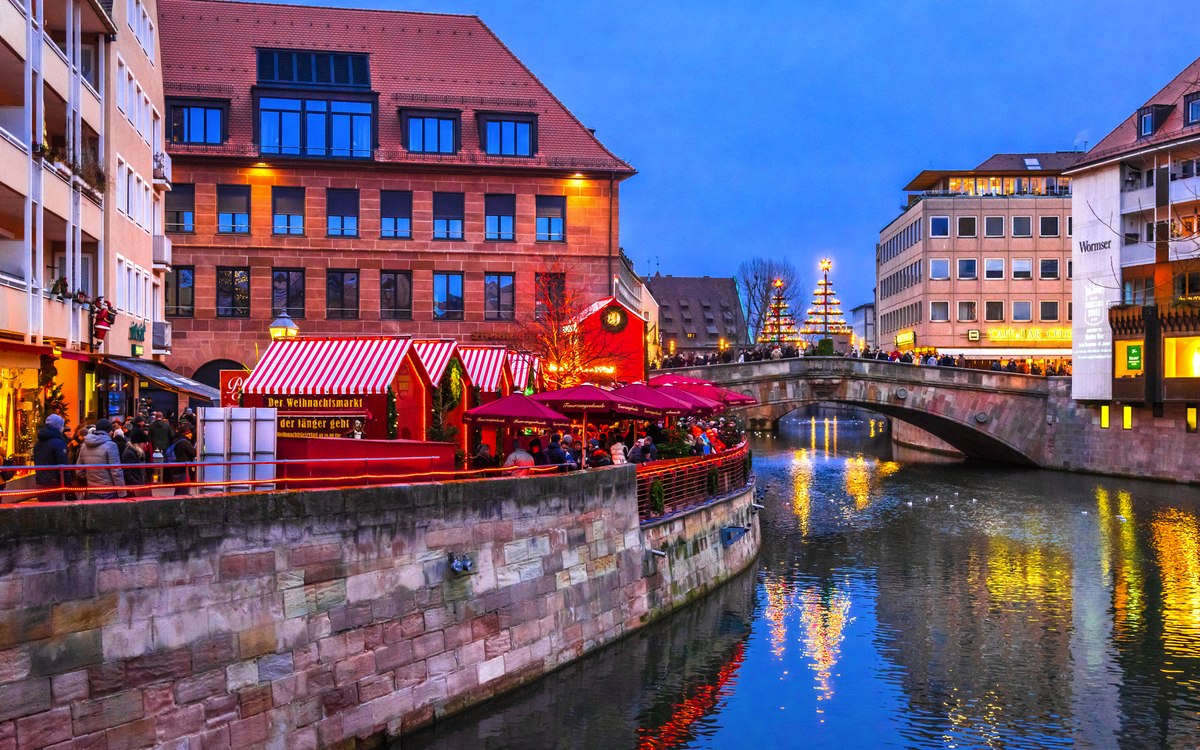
(326, 618)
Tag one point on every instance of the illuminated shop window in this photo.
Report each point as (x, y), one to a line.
(1181, 357)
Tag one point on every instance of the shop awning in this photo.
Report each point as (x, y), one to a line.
(1013, 353)
(434, 356)
(331, 365)
(520, 365)
(484, 364)
(162, 377)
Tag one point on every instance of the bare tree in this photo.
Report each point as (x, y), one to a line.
(756, 281)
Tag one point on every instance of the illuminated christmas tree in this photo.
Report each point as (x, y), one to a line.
(825, 319)
(778, 325)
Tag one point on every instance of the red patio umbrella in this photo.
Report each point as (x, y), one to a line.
(516, 410)
(717, 393)
(588, 399)
(660, 380)
(670, 406)
(701, 406)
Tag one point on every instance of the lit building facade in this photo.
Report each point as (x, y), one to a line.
(980, 262)
(862, 324)
(80, 198)
(1137, 259)
(391, 173)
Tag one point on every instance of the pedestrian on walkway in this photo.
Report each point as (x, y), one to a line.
(180, 451)
(51, 450)
(133, 463)
(519, 457)
(101, 452)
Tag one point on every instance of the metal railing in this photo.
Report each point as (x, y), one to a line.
(685, 481)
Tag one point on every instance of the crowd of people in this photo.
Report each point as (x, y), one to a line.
(790, 351)
(609, 446)
(101, 459)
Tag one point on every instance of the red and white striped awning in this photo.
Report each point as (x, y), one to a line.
(520, 365)
(331, 365)
(484, 365)
(434, 356)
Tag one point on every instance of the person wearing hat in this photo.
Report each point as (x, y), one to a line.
(180, 450)
(50, 450)
(99, 451)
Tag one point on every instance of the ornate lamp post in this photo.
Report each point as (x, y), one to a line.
(283, 328)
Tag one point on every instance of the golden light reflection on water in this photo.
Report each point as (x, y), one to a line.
(779, 603)
(858, 481)
(824, 618)
(1176, 542)
(1036, 581)
(802, 474)
(1119, 559)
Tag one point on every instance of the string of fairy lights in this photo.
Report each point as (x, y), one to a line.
(823, 319)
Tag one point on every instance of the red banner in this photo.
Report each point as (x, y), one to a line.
(231, 386)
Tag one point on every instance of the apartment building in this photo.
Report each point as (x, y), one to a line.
(1137, 258)
(368, 172)
(698, 314)
(979, 262)
(80, 123)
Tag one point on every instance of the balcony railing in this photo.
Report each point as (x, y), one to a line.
(686, 482)
(161, 337)
(162, 251)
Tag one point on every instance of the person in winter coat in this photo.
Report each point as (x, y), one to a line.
(99, 450)
(598, 459)
(483, 458)
(635, 454)
(535, 450)
(520, 458)
(133, 460)
(184, 452)
(648, 449)
(556, 455)
(51, 450)
(617, 450)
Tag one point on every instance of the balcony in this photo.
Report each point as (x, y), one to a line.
(161, 337)
(162, 253)
(162, 171)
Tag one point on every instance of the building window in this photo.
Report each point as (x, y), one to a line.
(1187, 287)
(395, 213)
(1139, 291)
(967, 269)
(1191, 108)
(196, 123)
(966, 311)
(306, 68)
(233, 292)
(287, 210)
(287, 292)
(181, 291)
(431, 132)
(233, 208)
(1126, 417)
(993, 268)
(341, 294)
(993, 311)
(1049, 310)
(1048, 226)
(395, 295)
(315, 128)
(1147, 124)
(498, 297)
(508, 135)
(550, 289)
(447, 216)
(500, 213)
(1104, 416)
(939, 226)
(966, 226)
(1049, 268)
(447, 296)
(1070, 269)
(993, 226)
(1022, 268)
(341, 212)
(1022, 226)
(551, 218)
(1191, 423)
(939, 312)
(1070, 226)
(1070, 310)
(939, 269)
(1022, 312)
(180, 208)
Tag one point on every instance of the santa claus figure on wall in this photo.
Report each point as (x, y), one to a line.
(103, 316)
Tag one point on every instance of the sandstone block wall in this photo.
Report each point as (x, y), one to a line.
(329, 618)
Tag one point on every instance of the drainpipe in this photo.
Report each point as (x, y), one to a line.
(611, 282)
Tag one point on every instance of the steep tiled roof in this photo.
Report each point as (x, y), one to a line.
(717, 297)
(1054, 161)
(417, 60)
(1124, 139)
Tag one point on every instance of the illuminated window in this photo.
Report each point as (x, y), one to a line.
(1191, 418)
(1127, 417)
(1187, 285)
(1104, 416)
(1181, 357)
(233, 292)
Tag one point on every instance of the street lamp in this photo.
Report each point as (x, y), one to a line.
(283, 328)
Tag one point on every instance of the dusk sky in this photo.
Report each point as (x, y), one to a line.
(788, 129)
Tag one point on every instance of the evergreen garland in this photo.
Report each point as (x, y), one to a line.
(658, 496)
(393, 428)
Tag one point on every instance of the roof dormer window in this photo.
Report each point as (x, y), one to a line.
(1191, 108)
(1147, 124)
(1151, 118)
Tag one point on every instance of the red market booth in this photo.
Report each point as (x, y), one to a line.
(617, 329)
(359, 463)
(487, 367)
(326, 387)
(447, 384)
(526, 373)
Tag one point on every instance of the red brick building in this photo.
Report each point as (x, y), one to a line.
(369, 172)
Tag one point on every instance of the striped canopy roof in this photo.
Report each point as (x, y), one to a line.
(435, 355)
(520, 365)
(328, 365)
(484, 364)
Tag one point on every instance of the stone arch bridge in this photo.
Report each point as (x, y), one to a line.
(994, 415)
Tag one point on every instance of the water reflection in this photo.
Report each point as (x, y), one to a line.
(906, 603)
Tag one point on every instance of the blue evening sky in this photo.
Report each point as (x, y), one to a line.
(787, 129)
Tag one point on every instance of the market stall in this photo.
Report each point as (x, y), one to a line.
(448, 392)
(488, 369)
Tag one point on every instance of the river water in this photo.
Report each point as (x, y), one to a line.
(901, 601)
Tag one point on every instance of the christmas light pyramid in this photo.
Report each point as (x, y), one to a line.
(825, 316)
(778, 325)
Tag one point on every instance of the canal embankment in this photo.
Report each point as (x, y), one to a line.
(333, 617)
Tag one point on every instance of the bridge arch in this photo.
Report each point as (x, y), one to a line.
(990, 415)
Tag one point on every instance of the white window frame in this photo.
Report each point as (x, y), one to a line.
(1058, 272)
(1070, 226)
(1147, 125)
(986, 302)
(121, 75)
(985, 223)
(958, 270)
(120, 185)
(958, 227)
(939, 278)
(1057, 310)
(931, 219)
(1057, 226)
(986, 271)
(148, 204)
(958, 310)
(131, 196)
(939, 302)
(1016, 302)
(120, 301)
(1013, 271)
(1014, 226)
